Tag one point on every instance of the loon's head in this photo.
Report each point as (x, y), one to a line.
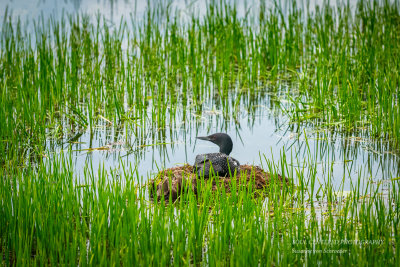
(223, 140)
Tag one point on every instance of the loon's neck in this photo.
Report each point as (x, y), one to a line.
(226, 148)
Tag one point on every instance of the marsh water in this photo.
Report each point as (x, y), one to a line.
(260, 130)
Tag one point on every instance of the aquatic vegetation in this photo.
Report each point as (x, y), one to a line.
(171, 183)
(50, 216)
(333, 72)
(76, 72)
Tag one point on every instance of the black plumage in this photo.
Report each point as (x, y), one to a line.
(219, 163)
(170, 183)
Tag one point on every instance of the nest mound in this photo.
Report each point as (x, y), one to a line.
(169, 183)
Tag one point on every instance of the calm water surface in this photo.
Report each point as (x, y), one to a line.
(263, 134)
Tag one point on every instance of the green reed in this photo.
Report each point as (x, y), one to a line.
(333, 69)
(342, 66)
(51, 216)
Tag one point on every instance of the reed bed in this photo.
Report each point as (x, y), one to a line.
(70, 75)
(50, 216)
(151, 75)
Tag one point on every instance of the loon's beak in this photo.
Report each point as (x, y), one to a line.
(203, 138)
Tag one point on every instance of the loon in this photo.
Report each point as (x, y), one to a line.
(221, 163)
(171, 183)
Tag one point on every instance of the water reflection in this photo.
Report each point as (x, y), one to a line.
(253, 118)
(258, 134)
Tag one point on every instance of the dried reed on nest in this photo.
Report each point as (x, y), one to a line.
(170, 183)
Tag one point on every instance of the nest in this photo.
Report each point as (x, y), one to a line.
(170, 183)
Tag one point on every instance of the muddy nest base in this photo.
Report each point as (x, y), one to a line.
(170, 183)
